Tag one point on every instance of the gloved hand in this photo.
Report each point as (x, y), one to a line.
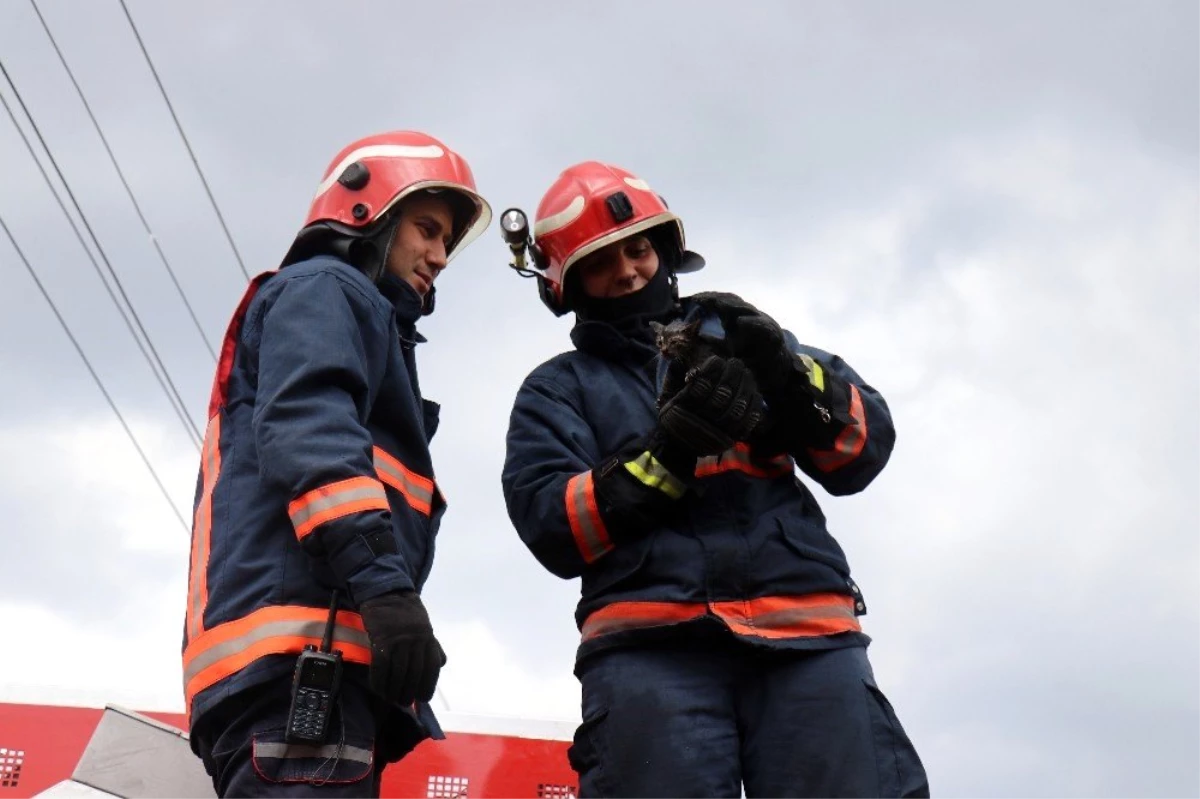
(809, 405)
(759, 341)
(754, 337)
(724, 302)
(716, 403)
(405, 657)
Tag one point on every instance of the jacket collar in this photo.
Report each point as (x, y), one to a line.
(407, 302)
(614, 342)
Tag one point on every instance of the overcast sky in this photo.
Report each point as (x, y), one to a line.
(989, 209)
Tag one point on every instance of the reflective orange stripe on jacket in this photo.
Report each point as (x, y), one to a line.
(776, 617)
(849, 443)
(737, 459)
(210, 470)
(591, 536)
(276, 630)
(335, 500)
(417, 490)
(357, 494)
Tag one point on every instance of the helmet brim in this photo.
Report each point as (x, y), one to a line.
(474, 227)
(624, 233)
(690, 262)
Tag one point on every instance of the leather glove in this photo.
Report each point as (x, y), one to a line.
(809, 405)
(755, 338)
(405, 657)
(717, 404)
(759, 341)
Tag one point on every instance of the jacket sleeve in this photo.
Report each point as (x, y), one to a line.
(569, 502)
(322, 350)
(855, 437)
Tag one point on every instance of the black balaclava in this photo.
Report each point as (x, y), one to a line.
(631, 313)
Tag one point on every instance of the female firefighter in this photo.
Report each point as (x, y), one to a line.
(721, 646)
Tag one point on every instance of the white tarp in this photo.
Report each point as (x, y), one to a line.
(135, 757)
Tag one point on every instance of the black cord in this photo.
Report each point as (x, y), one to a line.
(337, 755)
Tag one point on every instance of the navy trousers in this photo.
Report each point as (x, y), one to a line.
(708, 722)
(242, 745)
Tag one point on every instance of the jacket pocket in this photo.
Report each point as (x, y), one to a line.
(814, 543)
(430, 415)
(618, 569)
(426, 565)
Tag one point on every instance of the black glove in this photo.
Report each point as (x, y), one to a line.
(405, 657)
(724, 302)
(808, 404)
(754, 337)
(633, 494)
(717, 404)
(759, 341)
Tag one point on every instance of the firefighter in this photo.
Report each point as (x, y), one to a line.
(721, 646)
(316, 495)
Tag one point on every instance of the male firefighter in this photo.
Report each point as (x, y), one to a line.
(316, 504)
(721, 645)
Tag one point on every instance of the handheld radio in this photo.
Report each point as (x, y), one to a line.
(315, 685)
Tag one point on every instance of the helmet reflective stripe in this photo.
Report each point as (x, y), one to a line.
(621, 233)
(397, 163)
(378, 151)
(590, 205)
(561, 219)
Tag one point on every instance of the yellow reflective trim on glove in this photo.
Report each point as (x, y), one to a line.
(650, 472)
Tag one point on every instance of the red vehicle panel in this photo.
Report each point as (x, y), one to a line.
(40, 746)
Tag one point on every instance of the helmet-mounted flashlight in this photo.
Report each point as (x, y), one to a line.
(514, 227)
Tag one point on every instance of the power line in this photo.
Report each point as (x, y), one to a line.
(145, 225)
(186, 143)
(151, 355)
(164, 380)
(99, 383)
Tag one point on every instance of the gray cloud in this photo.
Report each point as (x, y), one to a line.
(990, 211)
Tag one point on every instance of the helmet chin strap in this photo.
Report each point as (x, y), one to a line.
(370, 253)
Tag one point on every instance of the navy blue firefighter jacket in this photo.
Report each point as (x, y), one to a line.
(315, 475)
(742, 540)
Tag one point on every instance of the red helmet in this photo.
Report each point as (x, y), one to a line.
(371, 175)
(592, 205)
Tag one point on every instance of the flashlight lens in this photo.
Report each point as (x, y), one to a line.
(513, 221)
